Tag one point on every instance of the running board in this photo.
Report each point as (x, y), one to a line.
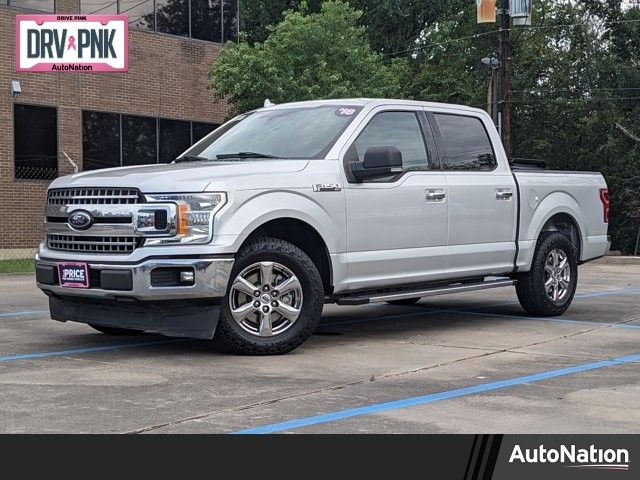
(354, 299)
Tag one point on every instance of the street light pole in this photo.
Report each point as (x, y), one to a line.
(505, 77)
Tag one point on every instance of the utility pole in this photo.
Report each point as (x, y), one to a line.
(505, 77)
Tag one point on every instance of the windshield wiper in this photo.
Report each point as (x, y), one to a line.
(244, 155)
(191, 158)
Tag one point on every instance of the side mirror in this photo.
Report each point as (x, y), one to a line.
(378, 162)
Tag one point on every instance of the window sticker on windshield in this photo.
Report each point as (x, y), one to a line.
(345, 112)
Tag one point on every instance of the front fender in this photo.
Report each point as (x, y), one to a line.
(323, 211)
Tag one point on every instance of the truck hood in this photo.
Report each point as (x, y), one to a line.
(177, 177)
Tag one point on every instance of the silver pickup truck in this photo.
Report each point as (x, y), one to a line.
(251, 231)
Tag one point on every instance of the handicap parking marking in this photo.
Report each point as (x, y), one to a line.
(435, 397)
(99, 348)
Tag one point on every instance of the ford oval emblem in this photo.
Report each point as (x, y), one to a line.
(80, 220)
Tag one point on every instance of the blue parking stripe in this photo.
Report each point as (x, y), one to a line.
(73, 351)
(24, 313)
(435, 397)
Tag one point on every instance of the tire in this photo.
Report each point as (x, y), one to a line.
(115, 331)
(274, 333)
(405, 301)
(534, 297)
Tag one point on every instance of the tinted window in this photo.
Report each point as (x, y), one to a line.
(172, 16)
(230, 20)
(39, 5)
(202, 129)
(464, 143)
(140, 13)
(98, 7)
(395, 129)
(206, 19)
(138, 140)
(175, 138)
(100, 140)
(35, 131)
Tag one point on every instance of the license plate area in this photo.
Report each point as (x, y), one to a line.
(73, 275)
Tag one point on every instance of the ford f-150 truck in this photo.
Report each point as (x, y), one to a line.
(252, 230)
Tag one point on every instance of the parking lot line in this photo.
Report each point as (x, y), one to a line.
(100, 348)
(435, 397)
(24, 313)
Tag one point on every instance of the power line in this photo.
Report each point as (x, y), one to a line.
(585, 90)
(418, 48)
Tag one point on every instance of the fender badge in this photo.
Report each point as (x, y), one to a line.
(327, 187)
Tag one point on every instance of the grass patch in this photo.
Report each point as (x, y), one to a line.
(22, 265)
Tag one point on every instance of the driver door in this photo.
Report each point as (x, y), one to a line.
(396, 225)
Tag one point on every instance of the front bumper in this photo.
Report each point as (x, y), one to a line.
(132, 301)
(211, 276)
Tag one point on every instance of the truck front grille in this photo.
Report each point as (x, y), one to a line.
(93, 196)
(86, 244)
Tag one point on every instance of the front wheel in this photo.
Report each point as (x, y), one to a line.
(548, 288)
(274, 300)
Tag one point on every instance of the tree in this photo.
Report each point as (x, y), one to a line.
(307, 56)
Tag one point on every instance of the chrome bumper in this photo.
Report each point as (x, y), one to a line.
(211, 279)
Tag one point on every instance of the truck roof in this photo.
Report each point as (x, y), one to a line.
(370, 102)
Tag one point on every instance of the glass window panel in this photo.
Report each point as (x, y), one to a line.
(99, 7)
(205, 20)
(39, 5)
(230, 20)
(201, 129)
(35, 131)
(140, 13)
(175, 138)
(464, 143)
(395, 129)
(139, 145)
(172, 16)
(100, 140)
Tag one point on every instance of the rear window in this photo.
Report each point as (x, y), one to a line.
(464, 143)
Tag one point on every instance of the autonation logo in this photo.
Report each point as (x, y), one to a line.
(574, 457)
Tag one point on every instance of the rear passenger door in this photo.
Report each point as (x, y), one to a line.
(482, 195)
(396, 225)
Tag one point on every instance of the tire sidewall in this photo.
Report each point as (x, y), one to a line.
(309, 279)
(550, 243)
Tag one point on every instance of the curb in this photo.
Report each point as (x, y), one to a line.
(618, 260)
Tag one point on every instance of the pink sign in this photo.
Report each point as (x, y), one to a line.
(72, 43)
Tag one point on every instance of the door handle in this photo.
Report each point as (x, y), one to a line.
(435, 196)
(503, 194)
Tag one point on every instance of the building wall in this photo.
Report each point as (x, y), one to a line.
(167, 78)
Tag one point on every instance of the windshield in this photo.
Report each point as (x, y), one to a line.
(296, 133)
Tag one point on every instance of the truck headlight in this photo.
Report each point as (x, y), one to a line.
(193, 222)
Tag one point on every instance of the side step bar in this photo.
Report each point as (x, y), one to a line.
(355, 299)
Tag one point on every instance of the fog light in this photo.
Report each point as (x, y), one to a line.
(187, 276)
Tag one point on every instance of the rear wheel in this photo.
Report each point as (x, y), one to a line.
(115, 331)
(405, 301)
(274, 300)
(548, 288)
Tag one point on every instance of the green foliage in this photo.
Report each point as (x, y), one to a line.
(307, 56)
(574, 80)
(26, 265)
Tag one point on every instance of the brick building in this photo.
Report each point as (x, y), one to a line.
(147, 115)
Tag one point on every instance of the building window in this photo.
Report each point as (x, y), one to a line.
(210, 20)
(174, 138)
(35, 135)
(112, 139)
(100, 140)
(139, 140)
(200, 130)
(36, 5)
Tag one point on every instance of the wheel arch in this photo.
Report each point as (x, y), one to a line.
(302, 235)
